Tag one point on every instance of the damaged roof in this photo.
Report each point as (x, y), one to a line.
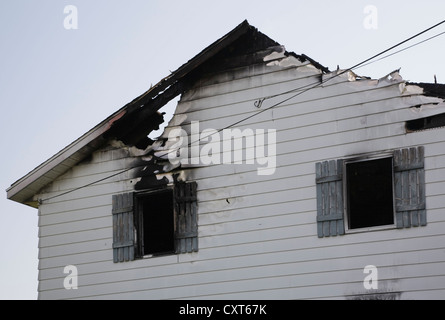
(243, 46)
(133, 122)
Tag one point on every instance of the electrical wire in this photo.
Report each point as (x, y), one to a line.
(399, 51)
(258, 103)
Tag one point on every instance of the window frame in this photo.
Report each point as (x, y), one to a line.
(409, 191)
(139, 222)
(364, 158)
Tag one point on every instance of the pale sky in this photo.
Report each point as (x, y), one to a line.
(56, 84)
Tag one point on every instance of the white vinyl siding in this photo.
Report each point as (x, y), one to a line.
(258, 234)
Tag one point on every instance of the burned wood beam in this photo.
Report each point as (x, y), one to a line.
(134, 127)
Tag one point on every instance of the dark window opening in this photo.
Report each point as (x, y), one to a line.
(436, 121)
(155, 214)
(370, 193)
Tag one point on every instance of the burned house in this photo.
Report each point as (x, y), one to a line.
(276, 178)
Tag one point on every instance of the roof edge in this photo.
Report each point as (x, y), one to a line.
(70, 155)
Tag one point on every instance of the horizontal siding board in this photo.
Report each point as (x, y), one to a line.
(287, 157)
(336, 94)
(218, 234)
(434, 176)
(268, 74)
(76, 174)
(76, 215)
(267, 210)
(143, 270)
(76, 259)
(265, 187)
(304, 204)
(435, 189)
(77, 204)
(75, 237)
(247, 85)
(299, 244)
(75, 226)
(291, 271)
(316, 113)
(76, 248)
(435, 162)
(87, 190)
(340, 283)
(299, 175)
(309, 156)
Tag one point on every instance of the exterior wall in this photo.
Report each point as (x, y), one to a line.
(258, 234)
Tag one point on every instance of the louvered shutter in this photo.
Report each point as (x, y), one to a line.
(123, 227)
(409, 176)
(186, 224)
(329, 179)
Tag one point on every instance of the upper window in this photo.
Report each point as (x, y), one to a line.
(154, 215)
(370, 193)
(155, 223)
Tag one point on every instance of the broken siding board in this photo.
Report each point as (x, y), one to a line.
(287, 79)
(286, 120)
(339, 128)
(230, 108)
(257, 71)
(251, 83)
(344, 91)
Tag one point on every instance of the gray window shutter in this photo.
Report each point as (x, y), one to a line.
(123, 227)
(186, 224)
(329, 179)
(409, 176)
